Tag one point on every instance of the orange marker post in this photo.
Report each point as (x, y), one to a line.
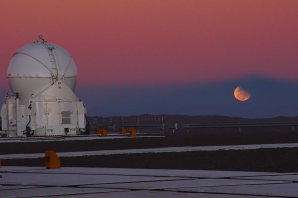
(122, 130)
(132, 132)
(103, 133)
(52, 160)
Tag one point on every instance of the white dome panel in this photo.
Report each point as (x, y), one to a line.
(66, 65)
(31, 67)
(28, 86)
(38, 65)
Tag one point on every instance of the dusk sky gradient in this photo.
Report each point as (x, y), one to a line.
(158, 43)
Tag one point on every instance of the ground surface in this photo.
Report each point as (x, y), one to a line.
(173, 166)
(30, 182)
(127, 154)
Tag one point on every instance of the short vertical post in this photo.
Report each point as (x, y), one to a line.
(52, 160)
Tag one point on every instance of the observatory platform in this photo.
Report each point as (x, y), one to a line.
(42, 102)
(119, 182)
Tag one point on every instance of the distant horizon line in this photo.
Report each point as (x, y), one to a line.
(198, 115)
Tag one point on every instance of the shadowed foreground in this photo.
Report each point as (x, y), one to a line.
(265, 160)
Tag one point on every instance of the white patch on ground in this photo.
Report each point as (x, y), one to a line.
(152, 150)
(114, 182)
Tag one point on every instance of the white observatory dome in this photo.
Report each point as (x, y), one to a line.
(38, 65)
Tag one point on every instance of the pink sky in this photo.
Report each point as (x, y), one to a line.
(118, 42)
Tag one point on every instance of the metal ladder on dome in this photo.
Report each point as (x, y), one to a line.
(54, 63)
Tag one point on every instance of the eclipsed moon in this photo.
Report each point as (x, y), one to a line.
(241, 94)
